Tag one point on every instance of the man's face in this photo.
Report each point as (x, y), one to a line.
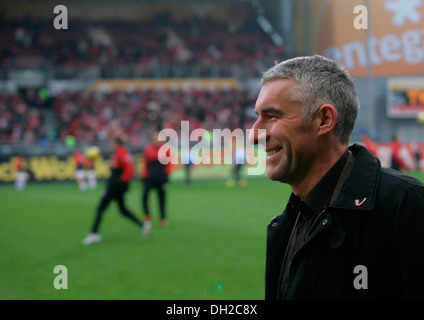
(290, 146)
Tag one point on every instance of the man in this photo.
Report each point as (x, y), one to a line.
(155, 175)
(122, 170)
(351, 229)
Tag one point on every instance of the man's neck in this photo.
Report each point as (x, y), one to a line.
(325, 160)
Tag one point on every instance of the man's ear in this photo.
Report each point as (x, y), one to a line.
(326, 118)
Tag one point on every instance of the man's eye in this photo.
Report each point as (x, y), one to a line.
(271, 117)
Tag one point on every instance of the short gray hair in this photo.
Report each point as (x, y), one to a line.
(319, 80)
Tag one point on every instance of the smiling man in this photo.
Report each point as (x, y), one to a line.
(351, 229)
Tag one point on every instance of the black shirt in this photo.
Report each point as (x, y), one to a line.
(307, 213)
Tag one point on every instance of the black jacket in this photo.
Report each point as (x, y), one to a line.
(369, 243)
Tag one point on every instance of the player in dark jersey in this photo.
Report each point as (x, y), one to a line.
(122, 169)
(154, 176)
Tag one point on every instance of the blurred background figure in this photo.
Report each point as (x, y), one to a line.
(238, 162)
(122, 170)
(188, 163)
(90, 173)
(21, 175)
(369, 144)
(397, 161)
(155, 175)
(79, 169)
(91, 154)
(417, 156)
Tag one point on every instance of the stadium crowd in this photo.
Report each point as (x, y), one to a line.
(159, 47)
(95, 115)
(22, 118)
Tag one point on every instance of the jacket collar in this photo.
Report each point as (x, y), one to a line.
(360, 188)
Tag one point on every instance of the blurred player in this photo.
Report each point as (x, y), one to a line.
(369, 144)
(417, 157)
(122, 170)
(188, 163)
(90, 173)
(91, 154)
(79, 170)
(154, 176)
(397, 161)
(21, 176)
(239, 160)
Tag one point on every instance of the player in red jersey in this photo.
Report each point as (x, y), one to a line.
(122, 170)
(21, 176)
(397, 161)
(369, 144)
(79, 170)
(154, 176)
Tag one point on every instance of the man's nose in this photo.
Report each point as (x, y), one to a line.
(258, 135)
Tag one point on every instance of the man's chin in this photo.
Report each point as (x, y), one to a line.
(272, 176)
(275, 175)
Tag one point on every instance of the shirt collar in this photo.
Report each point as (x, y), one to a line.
(320, 195)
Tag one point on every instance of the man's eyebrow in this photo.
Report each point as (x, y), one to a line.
(266, 110)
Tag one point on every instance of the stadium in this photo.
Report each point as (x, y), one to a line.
(75, 74)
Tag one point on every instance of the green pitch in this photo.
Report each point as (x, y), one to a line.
(213, 248)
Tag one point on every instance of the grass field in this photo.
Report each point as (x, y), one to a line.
(213, 248)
